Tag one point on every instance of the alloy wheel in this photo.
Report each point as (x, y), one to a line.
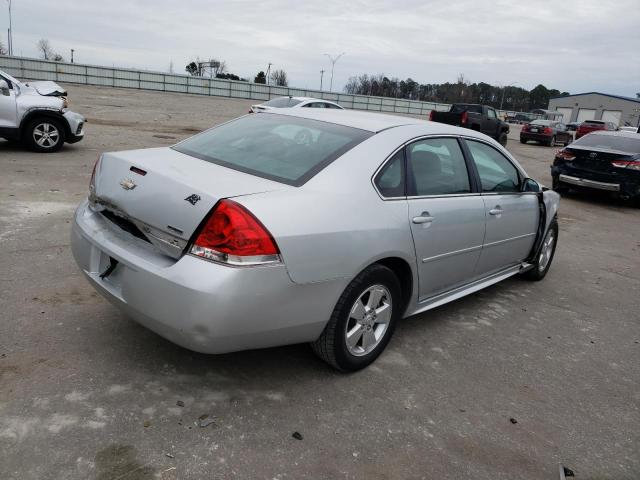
(46, 135)
(368, 320)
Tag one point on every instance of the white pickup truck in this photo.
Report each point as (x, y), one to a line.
(36, 114)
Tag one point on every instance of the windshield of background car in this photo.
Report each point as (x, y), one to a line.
(286, 149)
(282, 102)
(544, 123)
(612, 142)
(466, 108)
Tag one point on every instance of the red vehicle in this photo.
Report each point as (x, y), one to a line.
(589, 126)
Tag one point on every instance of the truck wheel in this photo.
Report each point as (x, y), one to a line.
(502, 139)
(44, 135)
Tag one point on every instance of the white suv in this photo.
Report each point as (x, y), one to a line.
(36, 113)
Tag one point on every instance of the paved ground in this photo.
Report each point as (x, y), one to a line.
(87, 393)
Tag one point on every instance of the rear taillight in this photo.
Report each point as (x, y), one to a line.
(232, 235)
(564, 155)
(630, 164)
(525, 127)
(92, 182)
(465, 118)
(547, 131)
(431, 115)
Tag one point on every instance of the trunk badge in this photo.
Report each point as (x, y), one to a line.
(127, 184)
(193, 199)
(593, 154)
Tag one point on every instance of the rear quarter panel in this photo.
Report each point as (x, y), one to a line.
(336, 224)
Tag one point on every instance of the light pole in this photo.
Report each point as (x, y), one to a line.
(321, 75)
(72, 50)
(504, 88)
(10, 39)
(333, 64)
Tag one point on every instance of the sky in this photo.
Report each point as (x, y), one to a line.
(574, 46)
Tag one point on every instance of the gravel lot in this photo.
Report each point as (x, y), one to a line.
(504, 384)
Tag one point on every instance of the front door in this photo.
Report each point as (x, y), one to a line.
(512, 215)
(447, 218)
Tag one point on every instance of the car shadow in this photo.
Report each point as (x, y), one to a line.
(601, 198)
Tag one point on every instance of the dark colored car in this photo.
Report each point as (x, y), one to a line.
(573, 126)
(480, 118)
(548, 132)
(602, 160)
(589, 126)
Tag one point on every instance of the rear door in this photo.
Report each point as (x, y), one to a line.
(446, 214)
(511, 215)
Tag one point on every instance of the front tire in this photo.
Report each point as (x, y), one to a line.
(545, 257)
(362, 321)
(552, 142)
(44, 135)
(502, 139)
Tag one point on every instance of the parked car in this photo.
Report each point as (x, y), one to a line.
(548, 132)
(293, 102)
(37, 114)
(589, 126)
(480, 118)
(602, 160)
(253, 234)
(573, 126)
(627, 128)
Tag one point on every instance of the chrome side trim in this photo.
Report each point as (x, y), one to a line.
(451, 254)
(583, 182)
(498, 242)
(467, 289)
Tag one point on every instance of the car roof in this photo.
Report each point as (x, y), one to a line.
(370, 121)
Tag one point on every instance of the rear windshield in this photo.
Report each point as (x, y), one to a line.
(613, 142)
(545, 123)
(593, 122)
(282, 102)
(286, 149)
(466, 108)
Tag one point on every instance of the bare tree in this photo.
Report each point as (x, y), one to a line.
(279, 78)
(44, 47)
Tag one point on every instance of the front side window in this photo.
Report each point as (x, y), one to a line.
(497, 173)
(391, 180)
(283, 148)
(282, 102)
(437, 167)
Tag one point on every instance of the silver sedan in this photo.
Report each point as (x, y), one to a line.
(307, 225)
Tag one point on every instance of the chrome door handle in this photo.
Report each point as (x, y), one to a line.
(496, 211)
(423, 218)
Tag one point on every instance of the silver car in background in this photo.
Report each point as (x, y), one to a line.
(293, 102)
(308, 225)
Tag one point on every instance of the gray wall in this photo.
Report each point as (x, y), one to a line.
(629, 108)
(36, 69)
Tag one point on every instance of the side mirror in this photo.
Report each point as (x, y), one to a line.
(530, 185)
(4, 87)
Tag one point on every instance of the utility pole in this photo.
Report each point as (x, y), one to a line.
(333, 64)
(268, 72)
(10, 33)
(503, 90)
(321, 75)
(72, 50)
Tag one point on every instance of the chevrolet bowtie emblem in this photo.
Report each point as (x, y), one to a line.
(127, 184)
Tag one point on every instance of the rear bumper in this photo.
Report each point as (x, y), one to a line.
(583, 182)
(538, 137)
(626, 184)
(200, 305)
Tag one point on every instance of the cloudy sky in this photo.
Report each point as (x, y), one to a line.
(573, 46)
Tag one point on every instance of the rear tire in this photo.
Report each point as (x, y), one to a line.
(362, 321)
(44, 135)
(545, 257)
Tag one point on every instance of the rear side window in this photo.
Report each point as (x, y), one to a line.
(286, 149)
(391, 179)
(497, 173)
(437, 167)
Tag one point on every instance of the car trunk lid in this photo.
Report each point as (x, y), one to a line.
(596, 159)
(162, 195)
